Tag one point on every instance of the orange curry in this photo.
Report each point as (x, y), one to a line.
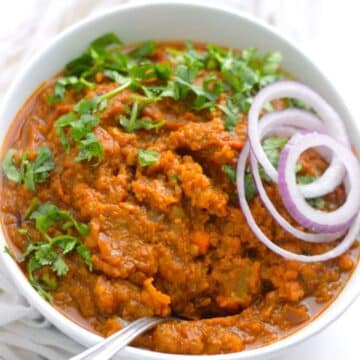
(145, 218)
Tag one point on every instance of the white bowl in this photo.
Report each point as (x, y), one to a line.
(160, 21)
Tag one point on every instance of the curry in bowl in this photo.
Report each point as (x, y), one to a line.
(120, 195)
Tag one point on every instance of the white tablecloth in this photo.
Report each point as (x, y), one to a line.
(328, 29)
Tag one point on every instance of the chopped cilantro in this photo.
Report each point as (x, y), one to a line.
(80, 123)
(50, 252)
(79, 72)
(232, 113)
(116, 76)
(135, 123)
(90, 148)
(59, 266)
(147, 157)
(9, 168)
(318, 203)
(7, 251)
(29, 173)
(296, 103)
(305, 179)
(143, 50)
(230, 172)
(84, 252)
(34, 203)
(105, 41)
(61, 85)
(47, 215)
(272, 147)
(271, 62)
(250, 187)
(182, 86)
(97, 57)
(149, 71)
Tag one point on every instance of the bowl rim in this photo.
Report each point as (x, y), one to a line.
(74, 330)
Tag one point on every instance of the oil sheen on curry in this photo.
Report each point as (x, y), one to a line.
(119, 199)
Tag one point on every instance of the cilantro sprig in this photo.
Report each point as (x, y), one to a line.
(105, 55)
(135, 122)
(29, 172)
(76, 126)
(49, 253)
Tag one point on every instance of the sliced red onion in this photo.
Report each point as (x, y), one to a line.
(333, 176)
(342, 247)
(313, 219)
(296, 118)
(274, 124)
(308, 237)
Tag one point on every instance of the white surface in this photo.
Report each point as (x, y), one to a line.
(332, 40)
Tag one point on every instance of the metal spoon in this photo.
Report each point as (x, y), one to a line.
(107, 348)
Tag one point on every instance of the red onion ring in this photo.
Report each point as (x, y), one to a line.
(333, 176)
(270, 124)
(342, 247)
(316, 220)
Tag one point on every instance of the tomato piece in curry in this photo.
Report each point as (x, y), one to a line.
(164, 233)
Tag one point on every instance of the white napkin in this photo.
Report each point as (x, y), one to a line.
(24, 333)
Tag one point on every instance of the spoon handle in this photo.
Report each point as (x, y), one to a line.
(107, 348)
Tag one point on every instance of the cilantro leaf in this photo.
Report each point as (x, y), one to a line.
(230, 172)
(105, 41)
(183, 79)
(90, 148)
(232, 113)
(305, 179)
(47, 215)
(85, 106)
(51, 253)
(45, 254)
(29, 172)
(59, 266)
(42, 164)
(61, 84)
(32, 265)
(8, 251)
(61, 123)
(149, 71)
(81, 122)
(97, 57)
(49, 281)
(84, 252)
(144, 50)
(116, 76)
(147, 157)
(183, 85)
(238, 73)
(271, 62)
(250, 187)
(318, 203)
(135, 123)
(272, 147)
(81, 127)
(66, 242)
(9, 168)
